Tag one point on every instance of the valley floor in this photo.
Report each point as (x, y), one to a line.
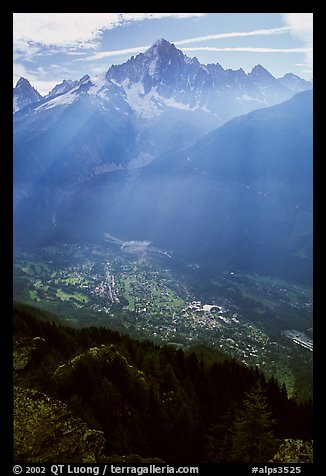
(259, 320)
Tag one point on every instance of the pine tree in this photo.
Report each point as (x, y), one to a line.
(252, 431)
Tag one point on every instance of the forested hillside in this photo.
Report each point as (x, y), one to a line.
(152, 401)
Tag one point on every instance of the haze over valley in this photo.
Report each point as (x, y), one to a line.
(171, 201)
(249, 181)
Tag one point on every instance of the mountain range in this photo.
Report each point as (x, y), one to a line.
(215, 164)
(166, 75)
(24, 94)
(158, 101)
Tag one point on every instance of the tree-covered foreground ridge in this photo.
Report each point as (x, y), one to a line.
(95, 395)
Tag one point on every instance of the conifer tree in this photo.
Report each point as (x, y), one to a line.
(252, 431)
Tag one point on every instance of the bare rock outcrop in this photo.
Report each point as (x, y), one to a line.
(25, 350)
(294, 451)
(46, 431)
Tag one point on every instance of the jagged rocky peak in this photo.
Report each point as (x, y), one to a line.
(162, 43)
(295, 83)
(63, 87)
(24, 94)
(259, 71)
(24, 85)
(290, 76)
(162, 55)
(22, 82)
(68, 84)
(161, 47)
(84, 79)
(166, 51)
(236, 74)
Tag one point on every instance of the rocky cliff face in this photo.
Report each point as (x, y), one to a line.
(24, 94)
(25, 350)
(45, 431)
(294, 451)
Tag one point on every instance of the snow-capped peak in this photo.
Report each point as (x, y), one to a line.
(62, 87)
(24, 94)
(163, 78)
(84, 79)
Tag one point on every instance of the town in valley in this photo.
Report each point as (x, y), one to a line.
(147, 295)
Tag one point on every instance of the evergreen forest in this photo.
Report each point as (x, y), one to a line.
(194, 406)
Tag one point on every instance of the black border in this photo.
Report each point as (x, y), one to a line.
(6, 177)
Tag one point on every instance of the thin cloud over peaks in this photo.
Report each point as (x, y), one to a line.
(219, 36)
(263, 31)
(248, 49)
(301, 27)
(108, 54)
(79, 29)
(54, 46)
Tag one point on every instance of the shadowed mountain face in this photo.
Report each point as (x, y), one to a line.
(240, 197)
(24, 94)
(145, 152)
(248, 184)
(158, 102)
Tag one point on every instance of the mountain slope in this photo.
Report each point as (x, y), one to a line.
(295, 83)
(62, 87)
(249, 185)
(156, 102)
(164, 72)
(274, 142)
(241, 197)
(143, 399)
(24, 94)
(107, 155)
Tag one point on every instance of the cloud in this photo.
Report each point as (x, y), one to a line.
(248, 49)
(19, 71)
(108, 54)
(301, 28)
(58, 28)
(219, 36)
(25, 50)
(42, 86)
(46, 34)
(301, 25)
(271, 31)
(72, 29)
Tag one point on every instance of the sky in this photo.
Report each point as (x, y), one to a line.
(50, 47)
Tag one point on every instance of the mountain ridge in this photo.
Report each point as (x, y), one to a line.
(94, 160)
(164, 99)
(161, 60)
(24, 94)
(93, 392)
